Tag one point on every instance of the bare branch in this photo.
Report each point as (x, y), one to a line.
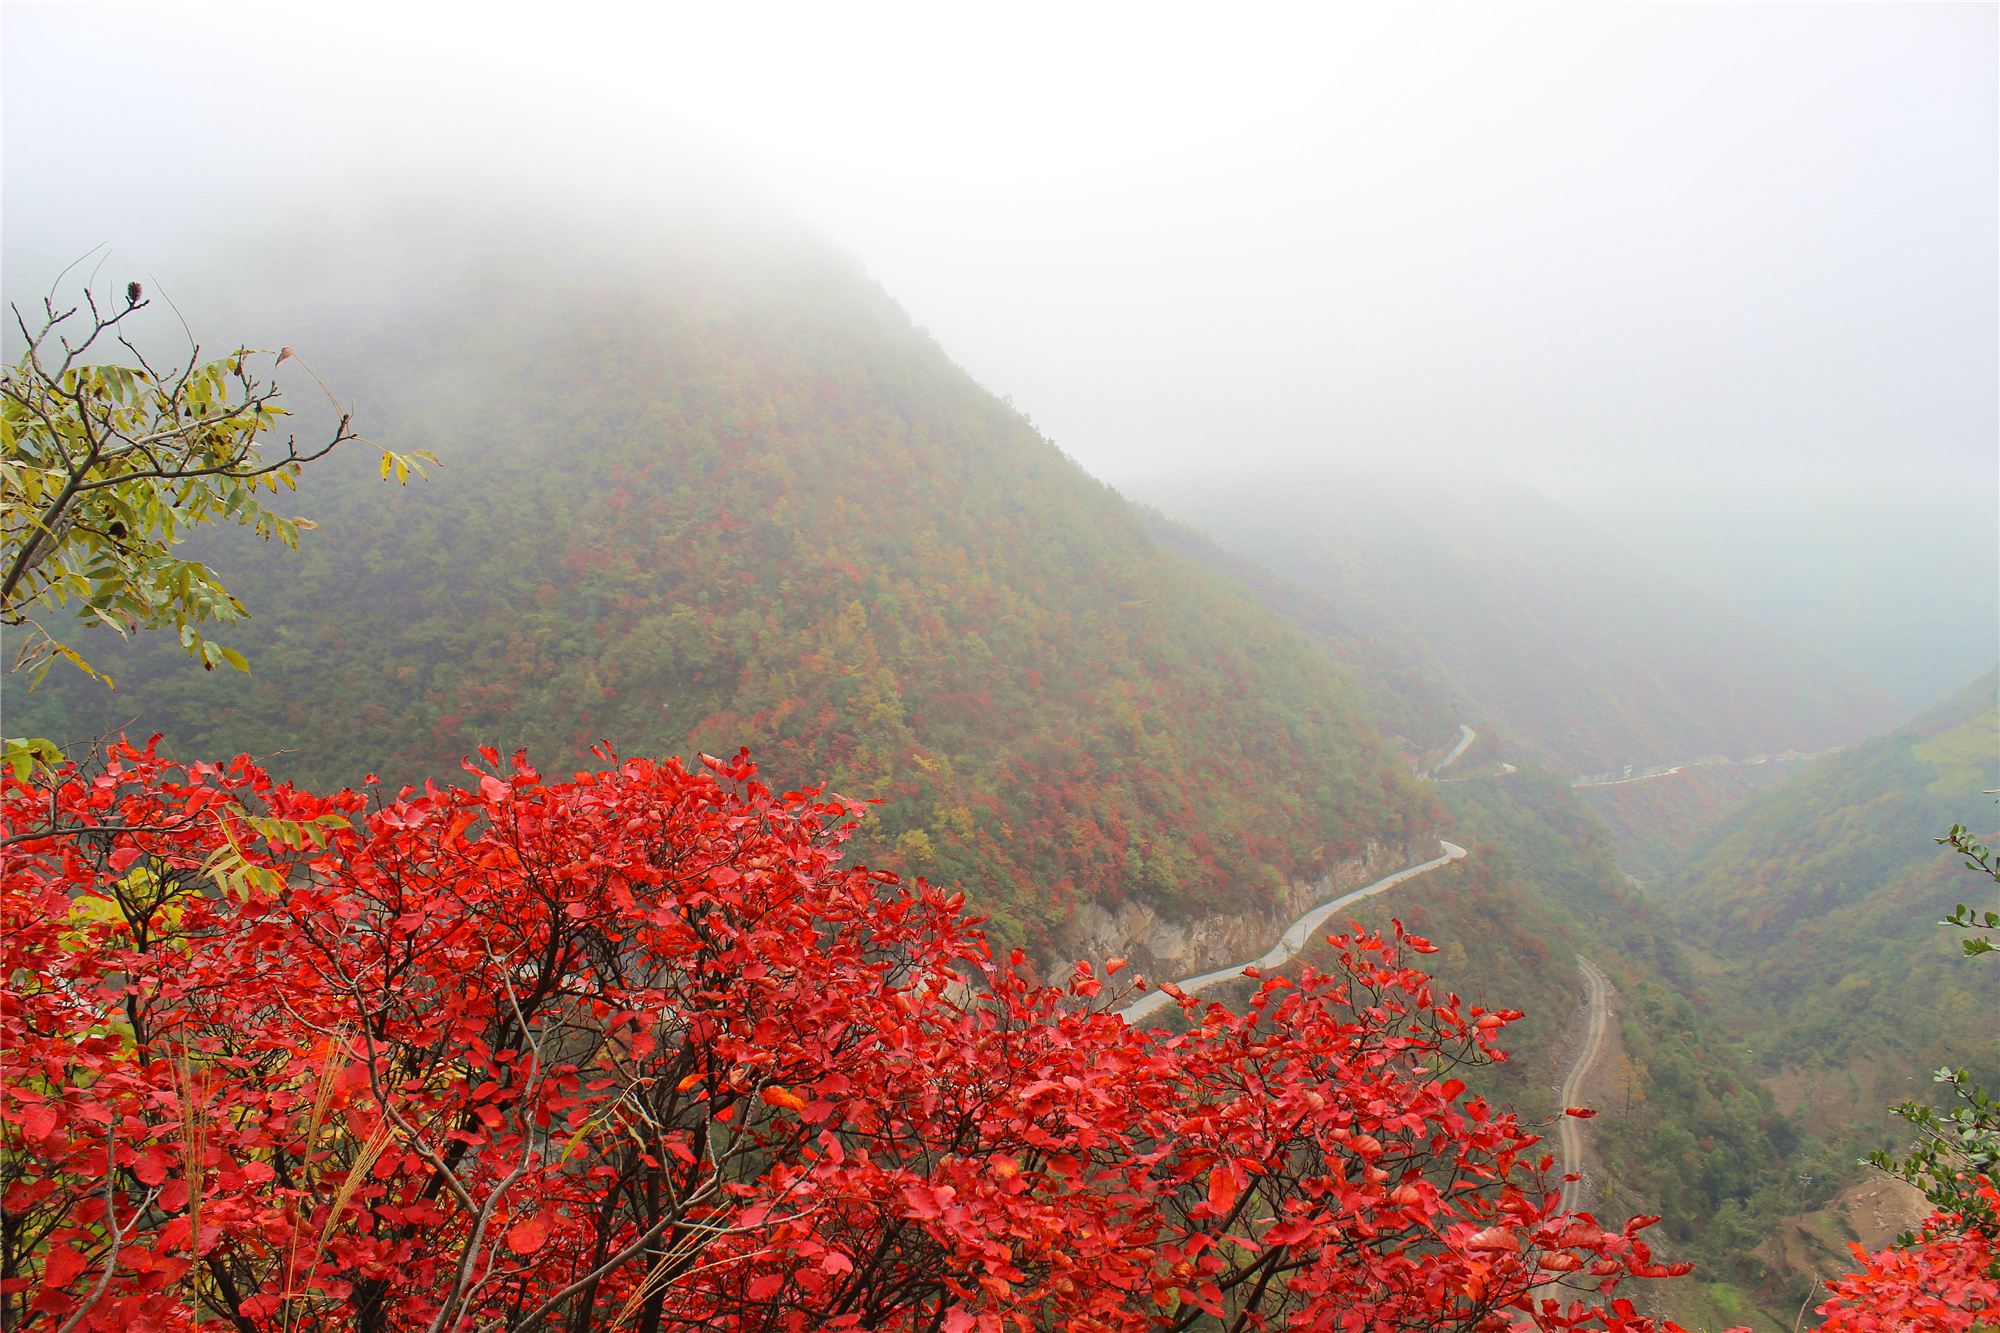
(118, 1234)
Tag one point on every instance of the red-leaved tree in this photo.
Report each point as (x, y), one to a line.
(1947, 1282)
(636, 1051)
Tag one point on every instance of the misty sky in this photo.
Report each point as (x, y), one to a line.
(1620, 250)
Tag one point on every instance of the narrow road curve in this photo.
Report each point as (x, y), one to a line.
(1293, 940)
(1579, 1070)
(1466, 735)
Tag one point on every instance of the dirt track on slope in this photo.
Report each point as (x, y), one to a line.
(1580, 1069)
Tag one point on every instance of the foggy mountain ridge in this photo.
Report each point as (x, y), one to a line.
(1901, 598)
(1540, 624)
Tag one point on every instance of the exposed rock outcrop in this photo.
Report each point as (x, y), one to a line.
(1161, 949)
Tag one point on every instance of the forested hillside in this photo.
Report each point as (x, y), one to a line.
(1821, 899)
(710, 499)
(1543, 626)
(690, 504)
(1404, 705)
(1655, 821)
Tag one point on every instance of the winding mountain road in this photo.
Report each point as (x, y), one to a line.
(1579, 1070)
(1466, 735)
(1293, 940)
(1570, 1134)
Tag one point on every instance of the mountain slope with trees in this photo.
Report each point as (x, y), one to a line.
(700, 499)
(1656, 820)
(1821, 898)
(1581, 654)
(1404, 705)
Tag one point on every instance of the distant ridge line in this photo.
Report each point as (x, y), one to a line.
(1614, 779)
(1618, 778)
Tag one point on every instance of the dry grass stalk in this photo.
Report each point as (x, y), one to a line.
(326, 1081)
(364, 1163)
(191, 1091)
(682, 1249)
(640, 1292)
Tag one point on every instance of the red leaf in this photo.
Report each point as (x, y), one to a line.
(122, 859)
(529, 1234)
(1222, 1188)
(151, 1165)
(1581, 1235)
(38, 1121)
(777, 1096)
(1494, 1239)
(62, 1266)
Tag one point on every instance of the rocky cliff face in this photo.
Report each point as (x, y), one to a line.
(1164, 950)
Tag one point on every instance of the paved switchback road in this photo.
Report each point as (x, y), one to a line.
(1466, 735)
(1579, 1070)
(1293, 940)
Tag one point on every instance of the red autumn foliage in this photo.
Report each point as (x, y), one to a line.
(636, 1051)
(1945, 1283)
